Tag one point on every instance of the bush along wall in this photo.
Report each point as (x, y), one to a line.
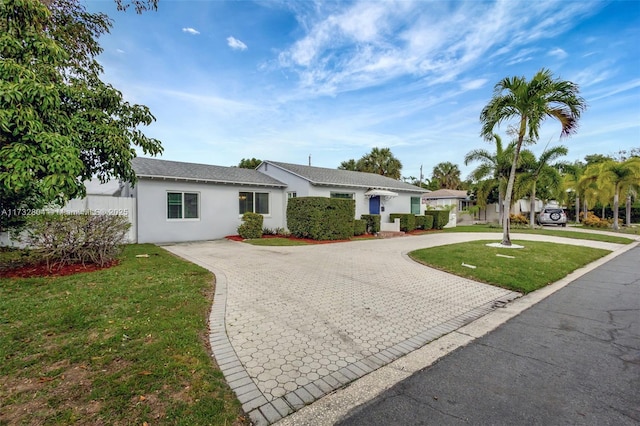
(407, 221)
(251, 226)
(373, 222)
(359, 227)
(428, 222)
(440, 217)
(321, 218)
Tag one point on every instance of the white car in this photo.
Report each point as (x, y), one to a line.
(552, 216)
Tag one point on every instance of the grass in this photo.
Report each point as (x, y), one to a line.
(125, 345)
(552, 232)
(533, 267)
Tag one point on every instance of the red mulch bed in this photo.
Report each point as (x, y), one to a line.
(306, 240)
(40, 270)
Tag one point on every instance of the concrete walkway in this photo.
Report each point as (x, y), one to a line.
(292, 324)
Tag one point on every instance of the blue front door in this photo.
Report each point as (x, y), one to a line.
(374, 205)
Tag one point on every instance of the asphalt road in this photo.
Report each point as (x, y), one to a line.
(573, 358)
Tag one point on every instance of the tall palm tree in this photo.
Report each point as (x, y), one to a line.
(448, 174)
(530, 103)
(492, 172)
(621, 175)
(571, 177)
(540, 169)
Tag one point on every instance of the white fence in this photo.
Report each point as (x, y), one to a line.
(96, 204)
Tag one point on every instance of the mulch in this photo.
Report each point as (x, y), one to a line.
(306, 240)
(41, 270)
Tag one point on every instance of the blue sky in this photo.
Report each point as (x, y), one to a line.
(282, 80)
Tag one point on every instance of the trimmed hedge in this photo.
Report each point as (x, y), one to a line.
(428, 222)
(407, 221)
(359, 227)
(373, 222)
(321, 218)
(440, 217)
(251, 226)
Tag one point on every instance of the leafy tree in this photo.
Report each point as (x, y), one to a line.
(249, 163)
(59, 123)
(447, 174)
(530, 103)
(380, 161)
(540, 170)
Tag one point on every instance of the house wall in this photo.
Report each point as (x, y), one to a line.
(219, 211)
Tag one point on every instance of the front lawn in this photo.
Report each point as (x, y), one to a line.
(532, 267)
(124, 345)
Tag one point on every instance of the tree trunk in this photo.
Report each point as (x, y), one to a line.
(616, 204)
(506, 240)
(628, 210)
(577, 208)
(500, 207)
(532, 213)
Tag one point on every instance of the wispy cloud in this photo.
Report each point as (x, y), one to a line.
(236, 44)
(191, 31)
(558, 53)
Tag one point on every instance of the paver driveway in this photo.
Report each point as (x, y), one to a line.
(290, 324)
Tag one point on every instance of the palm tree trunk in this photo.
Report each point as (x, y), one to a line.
(532, 213)
(616, 204)
(577, 208)
(506, 240)
(628, 210)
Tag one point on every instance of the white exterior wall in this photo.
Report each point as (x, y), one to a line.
(219, 211)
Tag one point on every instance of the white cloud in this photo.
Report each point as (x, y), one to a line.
(558, 53)
(191, 31)
(236, 44)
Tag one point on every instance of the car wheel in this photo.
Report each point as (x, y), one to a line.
(564, 225)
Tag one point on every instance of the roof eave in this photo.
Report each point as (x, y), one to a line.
(219, 181)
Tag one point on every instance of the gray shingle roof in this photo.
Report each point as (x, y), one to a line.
(346, 178)
(154, 168)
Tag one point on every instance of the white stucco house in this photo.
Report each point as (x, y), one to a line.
(178, 201)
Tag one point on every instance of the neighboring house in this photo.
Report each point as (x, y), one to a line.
(187, 202)
(373, 193)
(448, 197)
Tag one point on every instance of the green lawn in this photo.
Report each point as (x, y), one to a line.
(124, 345)
(532, 267)
(545, 231)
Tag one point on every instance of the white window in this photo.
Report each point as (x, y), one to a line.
(183, 205)
(291, 195)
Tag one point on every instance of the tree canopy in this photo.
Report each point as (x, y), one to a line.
(59, 123)
(249, 163)
(380, 161)
(447, 175)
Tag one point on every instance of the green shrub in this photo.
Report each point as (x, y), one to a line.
(440, 217)
(428, 222)
(321, 218)
(407, 221)
(593, 221)
(63, 239)
(359, 227)
(373, 222)
(420, 222)
(251, 226)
